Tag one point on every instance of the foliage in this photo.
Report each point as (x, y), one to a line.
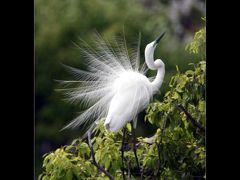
(178, 143)
(66, 164)
(183, 146)
(198, 43)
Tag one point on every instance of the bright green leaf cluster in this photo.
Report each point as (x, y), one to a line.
(68, 163)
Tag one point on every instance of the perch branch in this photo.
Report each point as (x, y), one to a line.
(159, 148)
(142, 171)
(122, 150)
(100, 168)
(134, 146)
(190, 118)
(129, 170)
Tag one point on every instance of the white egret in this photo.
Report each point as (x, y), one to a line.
(115, 86)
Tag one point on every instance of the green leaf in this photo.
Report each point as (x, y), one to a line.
(107, 162)
(69, 175)
(176, 96)
(129, 127)
(201, 106)
(98, 156)
(177, 68)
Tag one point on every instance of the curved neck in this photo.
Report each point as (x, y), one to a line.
(154, 65)
(149, 52)
(157, 82)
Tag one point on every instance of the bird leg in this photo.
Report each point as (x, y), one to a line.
(122, 150)
(133, 124)
(100, 168)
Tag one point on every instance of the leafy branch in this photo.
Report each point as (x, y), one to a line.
(100, 168)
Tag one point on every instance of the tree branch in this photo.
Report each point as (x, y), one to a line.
(129, 170)
(190, 118)
(100, 168)
(134, 146)
(142, 171)
(159, 148)
(122, 150)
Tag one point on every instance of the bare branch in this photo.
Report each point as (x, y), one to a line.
(129, 170)
(142, 171)
(159, 148)
(122, 150)
(190, 118)
(134, 146)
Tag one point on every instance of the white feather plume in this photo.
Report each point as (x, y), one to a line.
(107, 67)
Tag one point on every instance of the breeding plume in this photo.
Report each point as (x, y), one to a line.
(114, 86)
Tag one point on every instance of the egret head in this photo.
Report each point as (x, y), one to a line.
(149, 51)
(158, 39)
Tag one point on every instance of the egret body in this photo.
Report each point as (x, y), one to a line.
(133, 91)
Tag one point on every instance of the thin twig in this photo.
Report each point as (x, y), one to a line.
(100, 168)
(190, 118)
(122, 150)
(159, 148)
(142, 171)
(129, 170)
(134, 146)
